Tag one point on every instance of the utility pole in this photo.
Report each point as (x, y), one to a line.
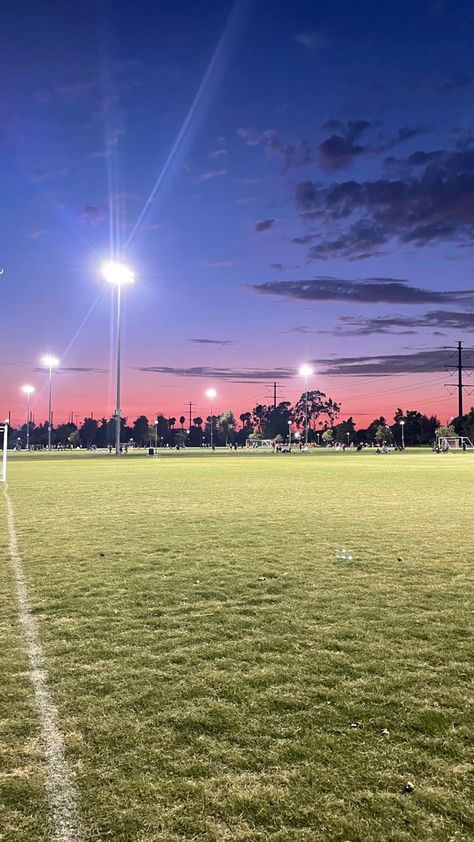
(190, 413)
(274, 396)
(460, 379)
(459, 368)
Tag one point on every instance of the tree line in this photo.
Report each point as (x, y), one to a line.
(263, 421)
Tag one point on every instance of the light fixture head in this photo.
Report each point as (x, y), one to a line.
(401, 422)
(117, 274)
(305, 370)
(49, 361)
(28, 390)
(211, 393)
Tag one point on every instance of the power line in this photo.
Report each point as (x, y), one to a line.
(459, 368)
(275, 396)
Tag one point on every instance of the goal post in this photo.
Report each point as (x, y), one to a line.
(454, 443)
(4, 440)
(259, 444)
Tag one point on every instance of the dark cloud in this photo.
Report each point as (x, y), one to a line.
(405, 133)
(360, 241)
(212, 341)
(369, 290)
(242, 375)
(278, 266)
(432, 202)
(300, 329)
(304, 240)
(441, 319)
(264, 224)
(292, 154)
(418, 362)
(339, 150)
(91, 215)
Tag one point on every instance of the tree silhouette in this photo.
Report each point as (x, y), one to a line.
(318, 404)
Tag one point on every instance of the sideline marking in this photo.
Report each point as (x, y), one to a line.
(61, 789)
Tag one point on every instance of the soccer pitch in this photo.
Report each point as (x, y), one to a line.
(228, 637)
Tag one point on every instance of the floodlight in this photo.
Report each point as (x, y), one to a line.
(211, 393)
(28, 390)
(50, 361)
(117, 274)
(306, 370)
(401, 422)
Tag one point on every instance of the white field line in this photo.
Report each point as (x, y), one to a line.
(59, 783)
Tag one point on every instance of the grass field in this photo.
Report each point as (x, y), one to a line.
(214, 623)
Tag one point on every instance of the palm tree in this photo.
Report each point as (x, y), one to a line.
(197, 421)
(182, 420)
(171, 422)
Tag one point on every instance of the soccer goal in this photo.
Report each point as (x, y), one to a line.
(4, 440)
(259, 444)
(454, 443)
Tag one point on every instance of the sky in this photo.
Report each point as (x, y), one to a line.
(290, 183)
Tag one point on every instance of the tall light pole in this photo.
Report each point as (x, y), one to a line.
(402, 425)
(28, 390)
(118, 275)
(211, 393)
(156, 434)
(50, 362)
(306, 371)
(289, 432)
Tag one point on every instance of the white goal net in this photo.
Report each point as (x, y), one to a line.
(258, 444)
(454, 443)
(4, 441)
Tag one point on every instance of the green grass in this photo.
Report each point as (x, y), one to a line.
(208, 650)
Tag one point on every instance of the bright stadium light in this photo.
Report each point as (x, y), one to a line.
(28, 390)
(50, 362)
(211, 393)
(306, 371)
(402, 425)
(118, 275)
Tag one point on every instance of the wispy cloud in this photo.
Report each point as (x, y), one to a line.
(369, 290)
(417, 362)
(309, 39)
(49, 174)
(212, 341)
(151, 226)
(36, 233)
(398, 325)
(91, 215)
(264, 225)
(209, 176)
(456, 80)
(236, 375)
